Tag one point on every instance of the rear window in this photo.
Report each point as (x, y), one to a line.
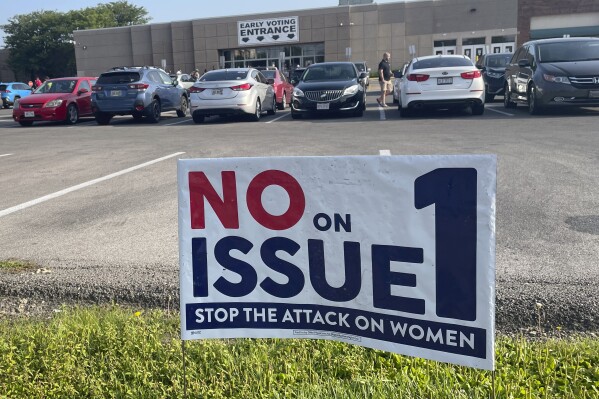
(329, 72)
(575, 50)
(3, 87)
(118, 77)
(498, 61)
(360, 66)
(442, 62)
(269, 74)
(214, 76)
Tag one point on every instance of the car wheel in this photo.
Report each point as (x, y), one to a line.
(507, 99)
(138, 116)
(197, 117)
(72, 115)
(533, 102)
(103, 118)
(182, 111)
(283, 104)
(273, 106)
(154, 111)
(257, 112)
(478, 109)
(395, 100)
(404, 112)
(25, 123)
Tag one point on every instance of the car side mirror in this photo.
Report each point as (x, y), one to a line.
(363, 75)
(368, 70)
(294, 81)
(82, 91)
(397, 74)
(524, 63)
(175, 82)
(270, 81)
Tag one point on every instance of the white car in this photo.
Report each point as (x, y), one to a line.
(396, 79)
(441, 81)
(184, 80)
(236, 91)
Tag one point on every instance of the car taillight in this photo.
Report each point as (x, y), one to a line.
(470, 75)
(4, 91)
(194, 89)
(139, 86)
(243, 87)
(417, 77)
(96, 89)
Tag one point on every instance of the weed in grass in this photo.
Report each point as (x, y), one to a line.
(16, 265)
(113, 352)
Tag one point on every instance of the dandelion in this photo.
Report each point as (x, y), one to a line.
(559, 328)
(137, 314)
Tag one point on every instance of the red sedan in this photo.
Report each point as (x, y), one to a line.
(63, 99)
(283, 89)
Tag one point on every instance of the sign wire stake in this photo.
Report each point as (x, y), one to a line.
(184, 369)
(493, 384)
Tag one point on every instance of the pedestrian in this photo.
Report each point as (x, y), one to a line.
(37, 82)
(384, 79)
(30, 83)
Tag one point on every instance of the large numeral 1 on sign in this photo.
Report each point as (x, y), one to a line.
(453, 192)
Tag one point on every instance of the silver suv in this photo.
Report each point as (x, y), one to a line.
(137, 91)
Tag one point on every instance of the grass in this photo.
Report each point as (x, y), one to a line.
(113, 352)
(15, 265)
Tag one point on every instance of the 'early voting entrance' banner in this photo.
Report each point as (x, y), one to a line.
(268, 31)
(389, 252)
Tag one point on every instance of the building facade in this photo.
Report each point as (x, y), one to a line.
(287, 40)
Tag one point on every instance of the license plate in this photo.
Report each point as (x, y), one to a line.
(444, 81)
(217, 92)
(322, 106)
(29, 114)
(594, 93)
(116, 93)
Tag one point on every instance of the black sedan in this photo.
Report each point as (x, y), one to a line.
(329, 87)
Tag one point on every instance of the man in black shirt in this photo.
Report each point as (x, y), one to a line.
(384, 79)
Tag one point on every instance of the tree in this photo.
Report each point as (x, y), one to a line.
(41, 43)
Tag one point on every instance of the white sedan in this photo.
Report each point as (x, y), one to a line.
(441, 81)
(237, 91)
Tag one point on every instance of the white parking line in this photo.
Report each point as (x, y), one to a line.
(82, 185)
(176, 123)
(385, 153)
(499, 112)
(276, 119)
(382, 113)
(5, 155)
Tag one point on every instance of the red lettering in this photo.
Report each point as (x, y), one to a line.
(225, 208)
(297, 200)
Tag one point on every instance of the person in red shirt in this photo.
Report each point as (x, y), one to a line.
(37, 82)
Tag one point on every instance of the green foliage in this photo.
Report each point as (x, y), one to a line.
(41, 43)
(118, 353)
(15, 265)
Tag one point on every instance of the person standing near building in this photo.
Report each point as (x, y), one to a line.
(384, 79)
(37, 82)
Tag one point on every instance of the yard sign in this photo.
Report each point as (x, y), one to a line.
(394, 253)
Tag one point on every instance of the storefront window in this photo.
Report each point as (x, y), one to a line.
(296, 55)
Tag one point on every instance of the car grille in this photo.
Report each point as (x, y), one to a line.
(323, 96)
(585, 82)
(31, 105)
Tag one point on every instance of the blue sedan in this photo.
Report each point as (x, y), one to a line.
(12, 91)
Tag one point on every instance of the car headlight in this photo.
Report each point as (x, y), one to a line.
(297, 92)
(351, 90)
(53, 104)
(556, 79)
(494, 74)
(16, 104)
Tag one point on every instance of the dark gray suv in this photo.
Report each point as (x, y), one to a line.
(553, 73)
(137, 91)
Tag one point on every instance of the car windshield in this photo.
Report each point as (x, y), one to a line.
(442, 62)
(57, 86)
(360, 66)
(215, 76)
(498, 61)
(268, 74)
(329, 72)
(118, 77)
(575, 50)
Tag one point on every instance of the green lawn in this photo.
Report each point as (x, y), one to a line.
(113, 352)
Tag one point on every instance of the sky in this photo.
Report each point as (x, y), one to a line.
(165, 11)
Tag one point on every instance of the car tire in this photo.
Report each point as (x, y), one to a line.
(72, 115)
(184, 108)
(197, 117)
(478, 109)
(404, 112)
(258, 111)
(25, 123)
(283, 104)
(154, 111)
(533, 103)
(274, 106)
(296, 115)
(507, 99)
(102, 118)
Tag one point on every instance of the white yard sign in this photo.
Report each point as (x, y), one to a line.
(268, 31)
(395, 253)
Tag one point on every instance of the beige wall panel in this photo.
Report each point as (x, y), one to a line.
(317, 21)
(343, 19)
(212, 43)
(305, 35)
(330, 34)
(232, 29)
(222, 30)
(358, 46)
(398, 29)
(330, 46)
(371, 32)
(223, 42)
(384, 30)
(343, 33)
(210, 30)
(199, 30)
(371, 18)
(357, 18)
(318, 35)
(199, 44)
(330, 20)
(357, 31)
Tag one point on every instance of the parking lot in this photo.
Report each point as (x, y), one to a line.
(96, 206)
